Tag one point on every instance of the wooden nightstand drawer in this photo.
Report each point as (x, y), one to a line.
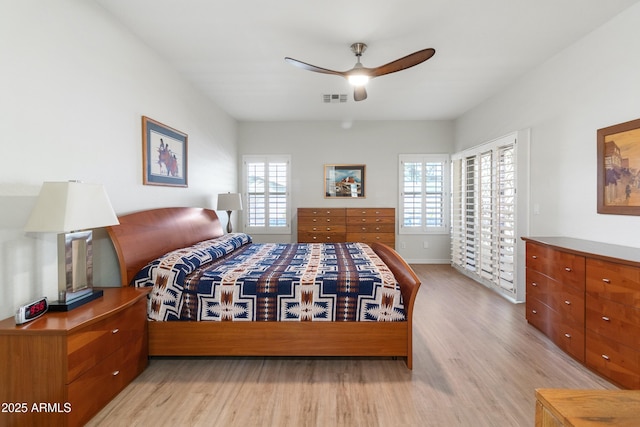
(91, 344)
(97, 386)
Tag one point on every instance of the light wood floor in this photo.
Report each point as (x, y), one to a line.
(476, 363)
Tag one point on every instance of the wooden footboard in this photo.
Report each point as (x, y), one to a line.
(144, 236)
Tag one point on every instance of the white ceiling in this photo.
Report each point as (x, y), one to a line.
(234, 51)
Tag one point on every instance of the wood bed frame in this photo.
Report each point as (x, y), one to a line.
(144, 236)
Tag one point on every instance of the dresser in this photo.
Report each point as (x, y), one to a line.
(366, 225)
(63, 367)
(585, 296)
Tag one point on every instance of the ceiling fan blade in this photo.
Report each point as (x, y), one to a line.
(359, 93)
(314, 68)
(402, 63)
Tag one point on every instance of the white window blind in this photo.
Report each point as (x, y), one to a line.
(266, 183)
(483, 217)
(424, 206)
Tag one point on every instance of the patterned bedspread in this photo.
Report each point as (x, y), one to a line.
(232, 279)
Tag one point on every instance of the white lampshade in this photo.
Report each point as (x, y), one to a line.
(229, 202)
(70, 206)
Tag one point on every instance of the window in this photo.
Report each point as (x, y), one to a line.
(266, 188)
(424, 206)
(483, 231)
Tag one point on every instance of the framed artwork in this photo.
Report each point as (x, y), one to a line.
(164, 154)
(345, 181)
(619, 169)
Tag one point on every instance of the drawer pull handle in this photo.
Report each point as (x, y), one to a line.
(567, 269)
(534, 257)
(605, 280)
(567, 302)
(115, 331)
(605, 357)
(534, 311)
(567, 335)
(314, 237)
(605, 318)
(115, 373)
(534, 284)
(314, 220)
(328, 219)
(364, 220)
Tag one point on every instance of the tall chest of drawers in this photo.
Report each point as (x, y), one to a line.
(586, 297)
(62, 368)
(366, 225)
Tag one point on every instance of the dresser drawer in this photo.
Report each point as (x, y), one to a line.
(379, 227)
(540, 315)
(326, 227)
(568, 269)
(318, 237)
(318, 212)
(615, 282)
(371, 212)
(566, 334)
(353, 221)
(89, 345)
(615, 321)
(314, 221)
(97, 386)
(566, 300)
(386, 238)
(616, 361)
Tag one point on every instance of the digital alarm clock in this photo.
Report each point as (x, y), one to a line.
(31, 311)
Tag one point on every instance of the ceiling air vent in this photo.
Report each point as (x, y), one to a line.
(334, 98)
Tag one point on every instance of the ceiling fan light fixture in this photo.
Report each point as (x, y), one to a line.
(358, 79)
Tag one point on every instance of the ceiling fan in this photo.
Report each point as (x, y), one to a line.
(359, 75)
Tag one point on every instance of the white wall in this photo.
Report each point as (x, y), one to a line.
(593, 84)
(74, 84)
(375, 144)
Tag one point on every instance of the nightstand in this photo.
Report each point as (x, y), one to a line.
(63, 367)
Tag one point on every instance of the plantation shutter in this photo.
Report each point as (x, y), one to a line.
(483, 220)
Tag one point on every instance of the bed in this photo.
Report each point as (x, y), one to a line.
(143, 237)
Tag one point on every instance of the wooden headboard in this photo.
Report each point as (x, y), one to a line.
(144, 236)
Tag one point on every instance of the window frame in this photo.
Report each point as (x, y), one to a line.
(266, 159)
(424, 228)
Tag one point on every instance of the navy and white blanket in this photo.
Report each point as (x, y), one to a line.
(231, 279)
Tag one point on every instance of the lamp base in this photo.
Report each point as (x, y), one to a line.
(68, 306)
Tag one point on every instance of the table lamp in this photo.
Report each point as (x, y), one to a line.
(229, 202)
(71, 209)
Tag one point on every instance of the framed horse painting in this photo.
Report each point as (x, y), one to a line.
(164, 154)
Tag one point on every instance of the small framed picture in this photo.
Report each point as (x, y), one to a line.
(619, 169)
(164, 154)
(344, 181)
